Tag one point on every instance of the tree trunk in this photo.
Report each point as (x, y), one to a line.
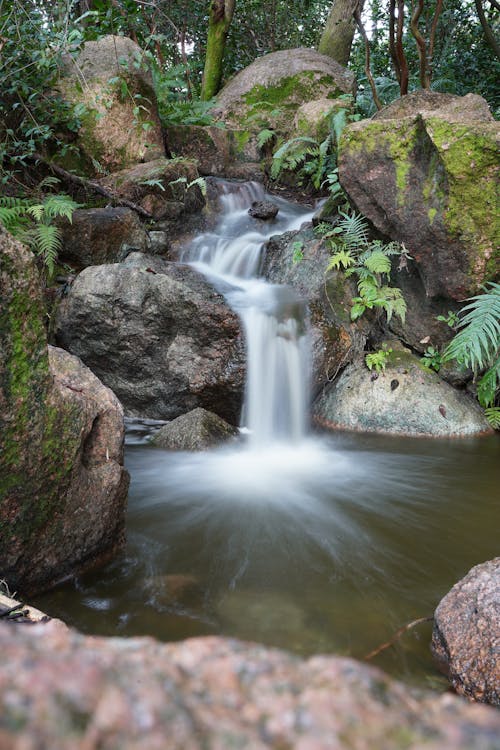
(221, 14)
(337, 36)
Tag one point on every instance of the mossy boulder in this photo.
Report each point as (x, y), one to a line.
(429, 178)
(405, 399)
(62, 482)
(269, 91)
(313, 119)
(119, 121)
(168, 189)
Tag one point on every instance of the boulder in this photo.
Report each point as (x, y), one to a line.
(223, 152)
(466, 635)
(313, 118)
(424, 172)
(62, 483)
(169, 189)
(406, 399)
(269, 91)
(158, 335)
(197, 430)
(264, 210)
(101, 235)
(299, 259)
(113, 87)
(215, 693)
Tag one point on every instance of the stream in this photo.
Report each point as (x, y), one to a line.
(314, 543)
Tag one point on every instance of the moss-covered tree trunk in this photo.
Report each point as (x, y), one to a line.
(337, 36)
(221, 14)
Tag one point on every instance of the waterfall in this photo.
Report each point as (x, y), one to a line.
(273, 316)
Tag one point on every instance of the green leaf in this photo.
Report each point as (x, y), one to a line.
(341, 259)
(378, 262)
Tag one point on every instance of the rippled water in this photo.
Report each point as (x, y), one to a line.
(330, 546)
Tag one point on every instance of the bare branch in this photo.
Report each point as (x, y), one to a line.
(488, 33)
(421, 46)
(361, 29)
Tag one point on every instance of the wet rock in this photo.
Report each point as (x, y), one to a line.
(113, 134)
(215, 693)
(158, 335)
(299, 259)
(197, 430)
(167, 189)
(102, 235)
(466, 636)
(421, 404)
(428, 179)
(62, 482)
(285, 80)
(176, 589)
(263, 210)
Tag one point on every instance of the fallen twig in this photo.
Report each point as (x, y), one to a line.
(397, 635)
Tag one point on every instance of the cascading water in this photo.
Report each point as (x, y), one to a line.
(315, 544)
(274, 317)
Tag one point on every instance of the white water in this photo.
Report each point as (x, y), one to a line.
(273, 317)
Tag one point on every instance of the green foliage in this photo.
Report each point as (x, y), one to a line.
(477, 343)
(432, 359)
(378, 360)
(451, 319)
(313, 161)
(367, 260)
(298, 253)
(31, 222)
(493, 416)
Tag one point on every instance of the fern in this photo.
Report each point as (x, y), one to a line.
(32, 222)
(378, 262)
(342, 259)
(478, 341)
(378, 360)
(493, 416)
(264, 137)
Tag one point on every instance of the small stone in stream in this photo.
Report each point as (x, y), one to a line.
(197, 430)
(263, 210)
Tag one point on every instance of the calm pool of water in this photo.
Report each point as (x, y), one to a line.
(328, 546)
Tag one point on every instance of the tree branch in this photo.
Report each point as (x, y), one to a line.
(421, 46)
(93, 186)
(361, 29)
(488, 33)
(432, 39)
(400, 53)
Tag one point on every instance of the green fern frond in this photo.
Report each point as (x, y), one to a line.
(378, 262)
(477, 343)
(488, 385)
(339, 121)
(354, 230)
(265, 136)
(47, 243)
(493, 416)
(341, 259)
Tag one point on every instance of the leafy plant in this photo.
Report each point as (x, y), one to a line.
(378, 360)
(298, 253)
(477, 343)
(314, 161)
(31, 222)
(451, 319)
(432, 359)
(367, 260)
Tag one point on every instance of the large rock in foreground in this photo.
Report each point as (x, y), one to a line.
(111, 84)
(283, 81)
(62, 483)
(214, 693)
(158, 335)
(466, 636)
(407, 399)
(424, 172)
